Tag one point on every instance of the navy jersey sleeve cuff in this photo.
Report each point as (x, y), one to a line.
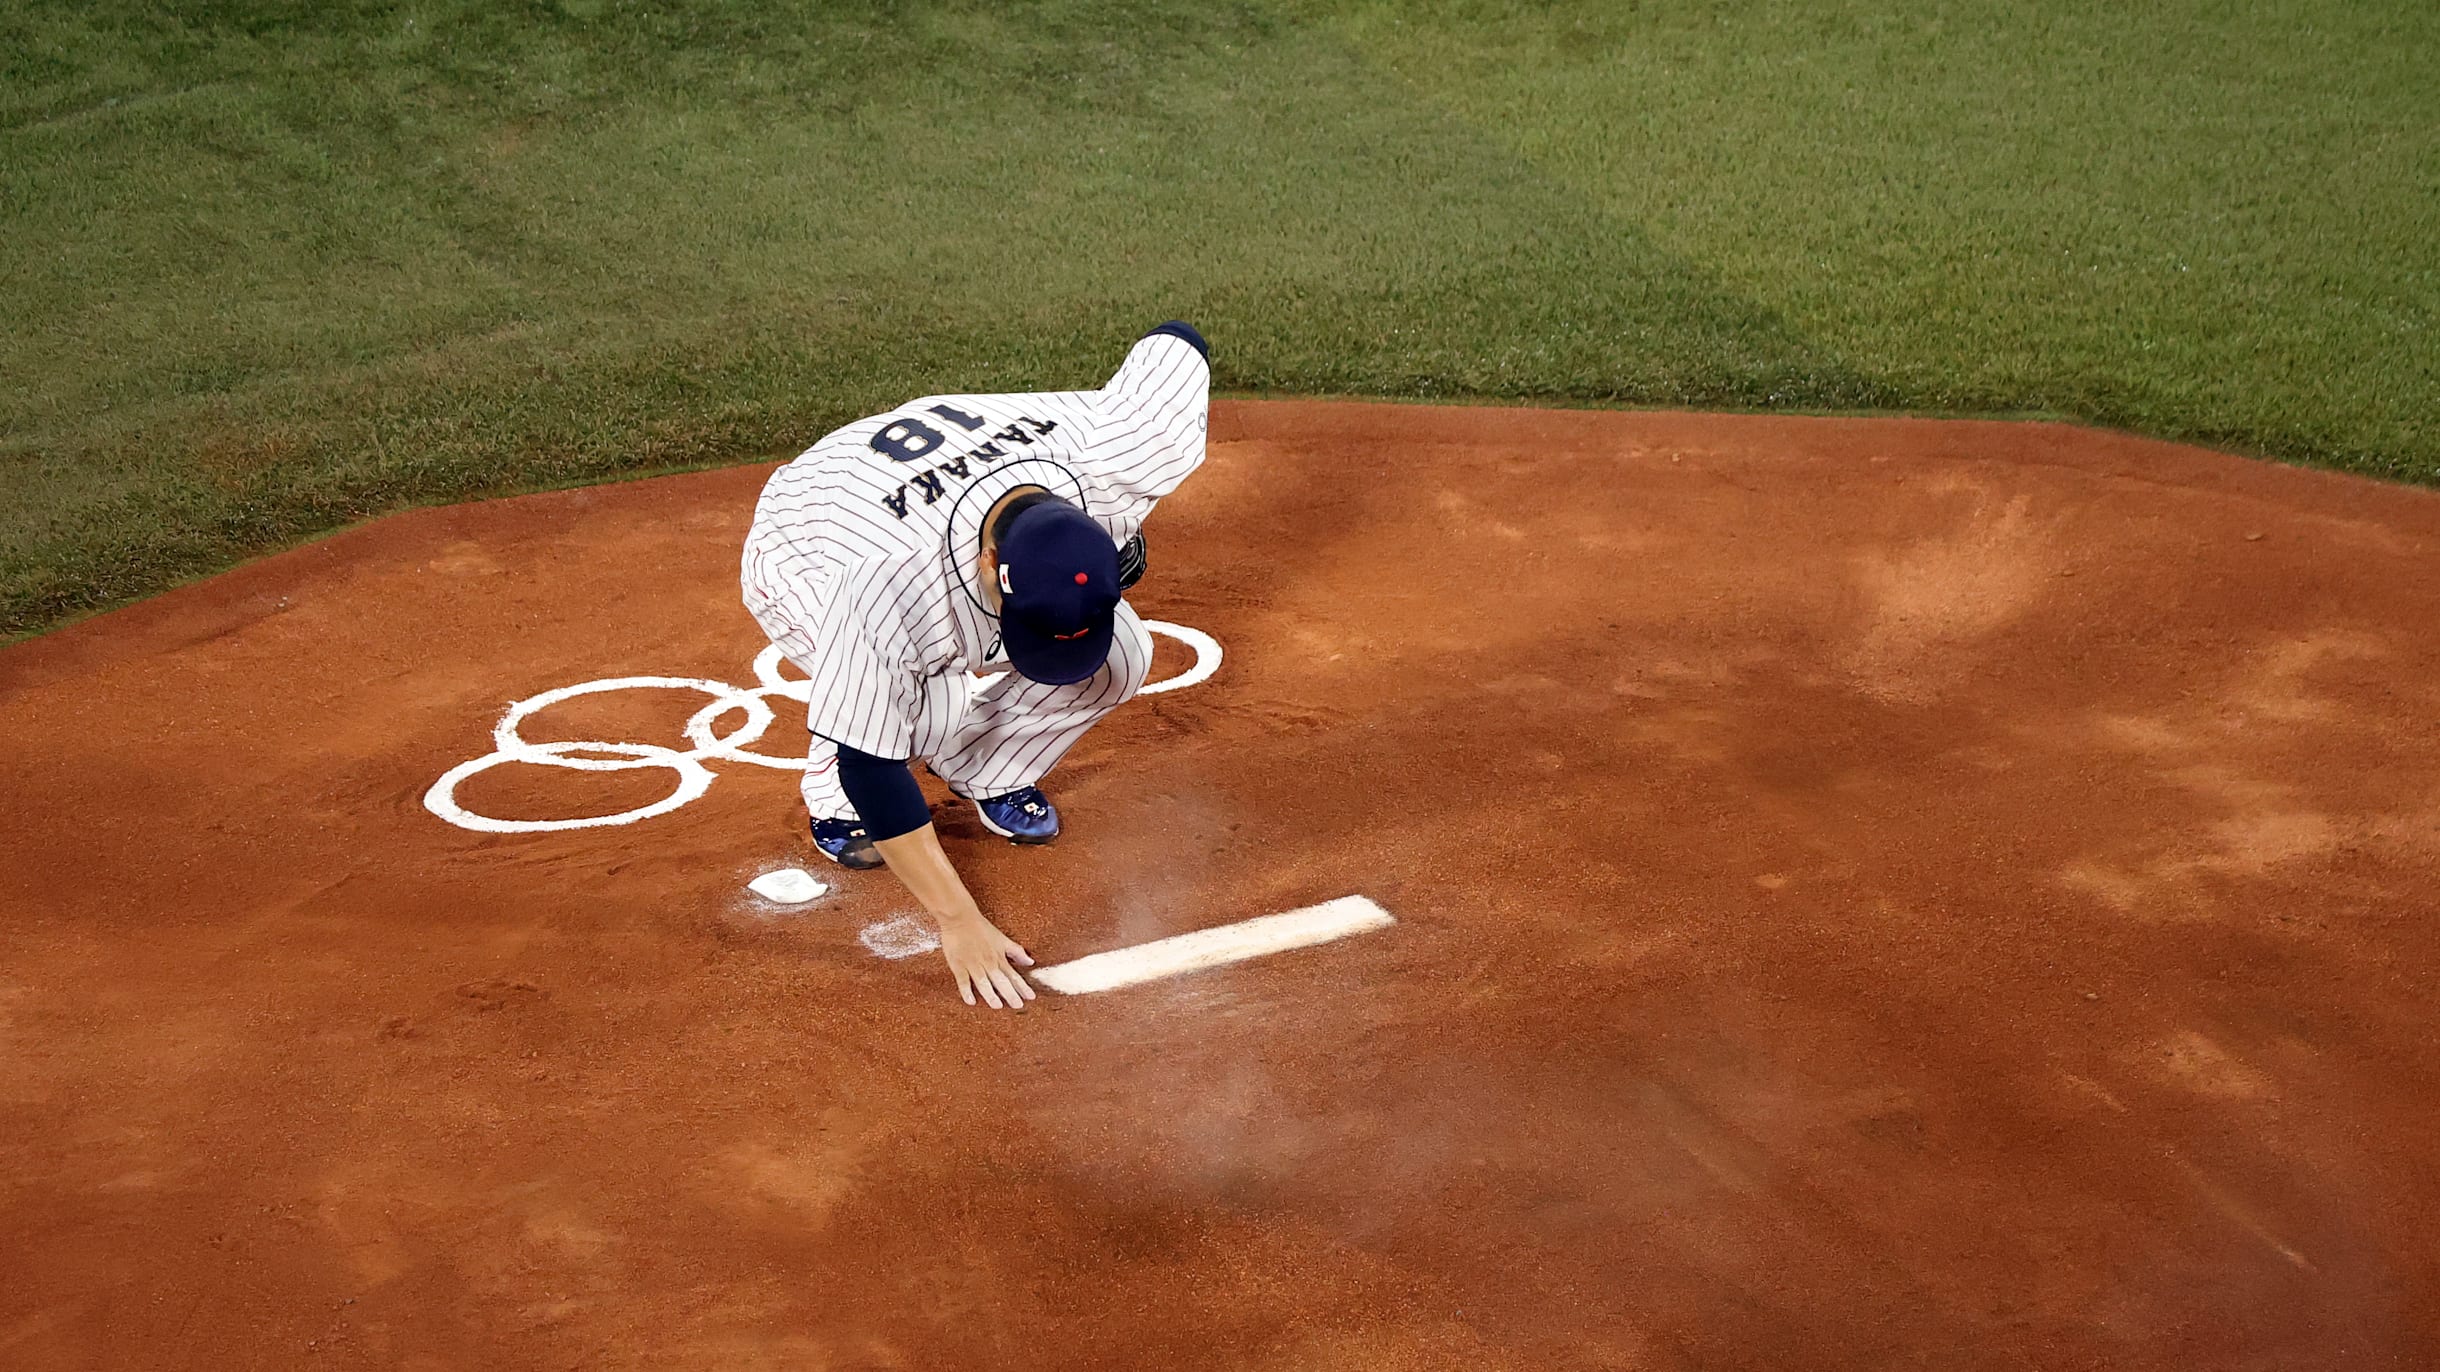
(1179, 328)
(885, 795)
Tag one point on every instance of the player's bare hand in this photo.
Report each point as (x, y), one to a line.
(985, 963)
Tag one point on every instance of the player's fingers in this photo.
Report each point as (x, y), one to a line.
(1014, 987)
(964, 980)
(990, 990)
(1019, 956)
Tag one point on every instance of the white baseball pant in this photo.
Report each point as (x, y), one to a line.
(1003, 733)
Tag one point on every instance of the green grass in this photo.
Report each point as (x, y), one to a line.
(272, 268)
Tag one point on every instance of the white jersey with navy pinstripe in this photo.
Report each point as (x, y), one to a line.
(860, 560)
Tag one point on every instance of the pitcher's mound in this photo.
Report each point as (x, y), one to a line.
(1867, 893)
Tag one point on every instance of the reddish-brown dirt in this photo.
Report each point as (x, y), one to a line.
(1873, 894)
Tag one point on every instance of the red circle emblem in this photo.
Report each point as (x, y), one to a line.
(1080, 578)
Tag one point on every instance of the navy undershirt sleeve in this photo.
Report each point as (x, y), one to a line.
(884, 793)
(1179, 328)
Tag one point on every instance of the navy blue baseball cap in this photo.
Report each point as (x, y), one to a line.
(1058, 593)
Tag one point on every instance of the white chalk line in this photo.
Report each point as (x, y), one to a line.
(694, 779)
(1251, 938)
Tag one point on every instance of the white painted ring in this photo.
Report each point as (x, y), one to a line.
(693, 780)
(766, 672)
(1207, 657)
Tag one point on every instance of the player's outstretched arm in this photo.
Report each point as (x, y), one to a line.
(892, 807)
(979, 955)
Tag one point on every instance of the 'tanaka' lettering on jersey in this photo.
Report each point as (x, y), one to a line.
(907, 439)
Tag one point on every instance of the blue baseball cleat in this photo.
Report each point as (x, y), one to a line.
(843, 841)
(1022, 816)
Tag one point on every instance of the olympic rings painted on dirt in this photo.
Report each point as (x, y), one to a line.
(701, 729)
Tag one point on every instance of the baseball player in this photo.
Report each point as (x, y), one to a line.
(963, 536)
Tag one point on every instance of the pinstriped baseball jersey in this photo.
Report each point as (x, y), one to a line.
(860, 563)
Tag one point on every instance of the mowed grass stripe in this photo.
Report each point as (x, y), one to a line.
(2200, 220)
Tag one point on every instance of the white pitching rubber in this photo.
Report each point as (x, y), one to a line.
(1251, 938)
